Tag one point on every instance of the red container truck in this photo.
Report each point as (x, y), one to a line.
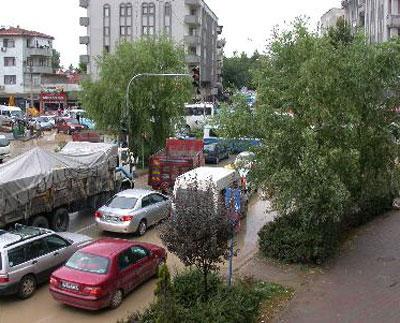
(178, 157)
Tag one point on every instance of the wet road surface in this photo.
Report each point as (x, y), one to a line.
(41, 308)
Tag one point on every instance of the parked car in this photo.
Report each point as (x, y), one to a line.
(214, 153)
(88, 136)
(44, 123)
(4, 148)
(133, 211)
(28, 255)
(69, 126)
(102, 273)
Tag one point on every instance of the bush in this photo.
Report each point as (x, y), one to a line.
(238, 304)
(289, 240)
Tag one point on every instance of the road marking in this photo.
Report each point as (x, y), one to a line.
(86, 228)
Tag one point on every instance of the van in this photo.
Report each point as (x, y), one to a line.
(223, 181)
(9, 114)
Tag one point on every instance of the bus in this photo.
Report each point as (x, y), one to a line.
(199, 114)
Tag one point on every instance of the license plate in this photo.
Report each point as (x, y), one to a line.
(109, 218)
(71, 286)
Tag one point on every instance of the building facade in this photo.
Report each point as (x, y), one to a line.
(330, 18)
(25, 58)
(188, 22)
(379, 18)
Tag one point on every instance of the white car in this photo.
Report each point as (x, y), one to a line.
(4, 148)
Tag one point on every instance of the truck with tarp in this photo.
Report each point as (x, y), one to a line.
(178, 157)
(41, 187)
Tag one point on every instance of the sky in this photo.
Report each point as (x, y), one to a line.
(247, 24)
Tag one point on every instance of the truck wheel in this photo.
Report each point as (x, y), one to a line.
(60, 220)
(40, 221)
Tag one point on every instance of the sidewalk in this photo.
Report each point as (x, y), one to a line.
(361, 285)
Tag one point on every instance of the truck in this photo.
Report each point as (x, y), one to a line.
(41, 188)
(178, 157)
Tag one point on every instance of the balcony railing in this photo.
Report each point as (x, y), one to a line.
(193, 3)
(84, 3)
(192, 59)
(84, 21)
(38, 69)
(84, 59)
(84, 40)
(393, 21)
(192, 20)
(34, 51)
(192, 39)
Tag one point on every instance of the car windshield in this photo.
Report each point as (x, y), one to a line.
(17, 114)
(4, 142)
(86, 262)
(122, 202)
(209, 148)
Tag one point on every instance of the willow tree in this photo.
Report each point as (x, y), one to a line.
(155, 103)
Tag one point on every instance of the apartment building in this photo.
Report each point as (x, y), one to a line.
(25, 57)
(330, 18)
(188, 22)
(379, 18)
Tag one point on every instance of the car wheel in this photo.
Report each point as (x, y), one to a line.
(116, 299)
(142, 228)
(69, 132)
(27, 287)
(60, 220)
(40, 221)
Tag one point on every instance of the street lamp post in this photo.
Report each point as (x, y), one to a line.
(142, 75)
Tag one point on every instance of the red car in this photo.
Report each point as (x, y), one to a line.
(69, 126)
(102, 273)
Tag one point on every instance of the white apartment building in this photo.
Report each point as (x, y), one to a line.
(25, 57)
(330, 18)
(379, 18)
(189, 22)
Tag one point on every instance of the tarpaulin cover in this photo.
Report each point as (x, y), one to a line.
(38, 170)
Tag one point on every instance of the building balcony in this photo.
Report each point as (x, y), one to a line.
(48, 52)
(393, 21)
(84, 59)
(192, 39)
(84, 21)
(192, 20)
(193, 3)
(221, 43)
(84, 40)
(192, 59)
(35, 69)
(83, 3)
(219, 29)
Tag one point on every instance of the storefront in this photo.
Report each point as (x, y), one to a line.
(52, 101)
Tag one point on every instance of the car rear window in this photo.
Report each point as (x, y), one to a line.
(87, 262)
(4, 142)
(122, 202)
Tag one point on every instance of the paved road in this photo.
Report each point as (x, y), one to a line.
(42, 309)
(362, 285)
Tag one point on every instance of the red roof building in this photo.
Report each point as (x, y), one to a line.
(19, 32)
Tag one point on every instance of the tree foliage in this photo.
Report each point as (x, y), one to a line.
(199, 231)
(238, 70)
(55, 59)
(328, 160)
(155, 103)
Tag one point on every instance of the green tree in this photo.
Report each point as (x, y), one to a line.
(238, 70)
(328, 159)
(55, 60)
(155, 103)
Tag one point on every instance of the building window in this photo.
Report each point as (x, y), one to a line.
(168, 19)
(148, 18)
(9, 61)
(8, 43)
(125, 21)
(106, 28)
(10, 79)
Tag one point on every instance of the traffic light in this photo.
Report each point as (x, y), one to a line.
(196, 78)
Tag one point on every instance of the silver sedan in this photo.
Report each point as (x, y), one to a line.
(133, 211)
